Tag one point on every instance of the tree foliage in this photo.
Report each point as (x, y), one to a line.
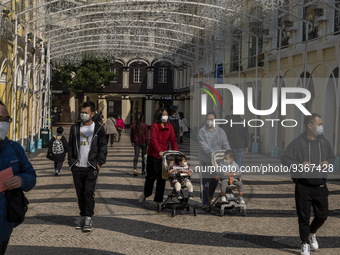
(90, 76)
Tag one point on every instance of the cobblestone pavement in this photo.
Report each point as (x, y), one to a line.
(123, 226)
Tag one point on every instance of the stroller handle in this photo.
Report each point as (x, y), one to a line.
(166, 153)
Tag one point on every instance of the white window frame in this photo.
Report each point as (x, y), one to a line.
(137, 75)
(163, 75)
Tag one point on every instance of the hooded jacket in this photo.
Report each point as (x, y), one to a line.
(211, 141)
(98, 150)
(237, 134)
(299, 151)
(12, 155)
(141, 137)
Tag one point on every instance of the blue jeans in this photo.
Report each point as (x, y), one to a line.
(239, 155)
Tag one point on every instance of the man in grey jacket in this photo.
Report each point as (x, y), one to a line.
(211, 139)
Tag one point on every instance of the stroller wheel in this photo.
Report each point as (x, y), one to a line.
(222, 212)
(173, 212)
(243, 211)
(195, 211)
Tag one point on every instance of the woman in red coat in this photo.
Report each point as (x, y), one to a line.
(139, 138)
(162, 132)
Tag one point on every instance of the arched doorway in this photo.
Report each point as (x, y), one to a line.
(298, 116)
(330, 108)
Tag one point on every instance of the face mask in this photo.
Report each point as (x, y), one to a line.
(185, 164)
(210, 123)
(318, 130)
(4, 128)
(84, 117)
(164, 118)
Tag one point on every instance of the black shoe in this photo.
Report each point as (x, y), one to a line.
(88, 225)
(81, 223)
(135, 173)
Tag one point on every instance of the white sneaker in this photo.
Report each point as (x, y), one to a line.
(313, 242)
(242, 200)
(223, 199)
(141, 198)
(305, 249)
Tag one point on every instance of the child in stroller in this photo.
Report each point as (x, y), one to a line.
(176, 169)
(231, 176)
(179, 175)
(229, 173)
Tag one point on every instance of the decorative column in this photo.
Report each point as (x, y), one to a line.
(126, 77)
(102, 105)
(149, 110)
(176, 78)
(185, 78)
(126, 109)
(186, 110)
(73, 106)
(181, 80)
(150, 76)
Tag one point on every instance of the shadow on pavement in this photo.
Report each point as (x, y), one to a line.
(46, 250)
(179, 235)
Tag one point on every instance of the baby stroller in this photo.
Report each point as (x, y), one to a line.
(172, 202)
(232, 202)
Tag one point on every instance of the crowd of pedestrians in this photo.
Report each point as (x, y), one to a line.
(87, 152)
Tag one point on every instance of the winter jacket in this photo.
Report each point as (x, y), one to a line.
(57, 157)
(298, 151)
(98, 151)
(211, 141)
(142, 137)
(160, 138)
(12, 155)
(237, 134)
(110, 126)
(120, 123)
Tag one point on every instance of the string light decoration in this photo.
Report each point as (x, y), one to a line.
(185, 31)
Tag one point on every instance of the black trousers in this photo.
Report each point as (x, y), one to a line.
(153, 173)
(306, 198)
(84, 179)
(58, 165)
(3, 247)
(139, 147)
(209, 184)
(119, 134)
(110, 137)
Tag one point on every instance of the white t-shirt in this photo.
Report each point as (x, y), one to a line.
(86, 134)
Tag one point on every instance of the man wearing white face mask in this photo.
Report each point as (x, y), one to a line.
(86, 154)
(211, 139)
(12, 156)
(313, 153)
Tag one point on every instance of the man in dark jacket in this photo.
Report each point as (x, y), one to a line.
(12, 156)
(87, 152)
(309, 156)
(238, 136)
